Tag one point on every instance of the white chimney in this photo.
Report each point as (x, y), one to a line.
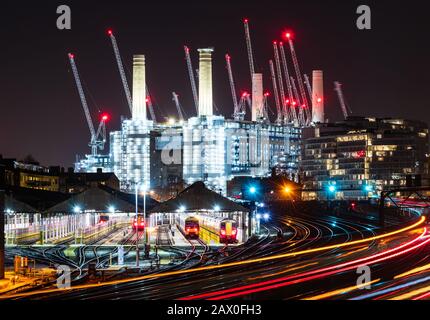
(257, 96)
(205, 82)
(139, 88)
(317, 96)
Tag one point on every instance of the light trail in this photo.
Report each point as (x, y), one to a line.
(220, 266)
(388, 290)
(340, 291)
(412, 271)
(284, 271)
(311, 275)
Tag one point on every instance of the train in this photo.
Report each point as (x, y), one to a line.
(138, 223)
(189, 226)
(226, 229)
(103, 218)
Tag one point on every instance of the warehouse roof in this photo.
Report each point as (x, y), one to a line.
(100, 199)
(197, 197)
(14, 205)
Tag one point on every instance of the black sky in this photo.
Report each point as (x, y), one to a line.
(384, 70)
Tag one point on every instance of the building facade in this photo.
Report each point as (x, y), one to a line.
(30, 175)
(359, 157)
(130, 154)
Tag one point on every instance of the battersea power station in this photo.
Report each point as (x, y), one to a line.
(207, 147)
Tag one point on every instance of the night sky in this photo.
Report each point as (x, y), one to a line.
(384, 71)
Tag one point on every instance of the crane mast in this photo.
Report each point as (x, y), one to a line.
(192, 80)
(338, 89)
(276, 93)
(94, 143)
(297, 102)
(308, 86)
(150, 106)
(121, 70)
(280, 82)
(232, 86)
(266, 106)
(299, 80)
(288, 81)
(178, 106)
(249, 47)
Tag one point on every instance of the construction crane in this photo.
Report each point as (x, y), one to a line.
(239, 114)
(124, 78)
(345, 109)
(276, 93)
(308, 86)
(280, 83)
(98, 138)
(288, 82)
(232, 86)
(299, 79)
(121, 70)
(149, 103)
(297, 102)
(249, 47)
(266, 106)
(192, 80)
(178, 106)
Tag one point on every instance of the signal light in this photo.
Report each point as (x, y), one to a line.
(105, 117)
(288, 35)
(245, 20)
(109, 32)
(319, 100)
(244, 94)
(71, 55)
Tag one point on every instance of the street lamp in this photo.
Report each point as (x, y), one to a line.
(144, 218)
(144, 214)
(332, 190)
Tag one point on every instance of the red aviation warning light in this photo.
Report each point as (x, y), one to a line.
(245, 20)
(109, 32)
(71, 56)
(288, 35)
(319, 100)
(267, 94)
(287, 101)
(105, 117)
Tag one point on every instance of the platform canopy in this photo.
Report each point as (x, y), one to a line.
(16, 206)
(101, 199)
(198, 198)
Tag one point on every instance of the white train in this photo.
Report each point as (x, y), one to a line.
(226, 229)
